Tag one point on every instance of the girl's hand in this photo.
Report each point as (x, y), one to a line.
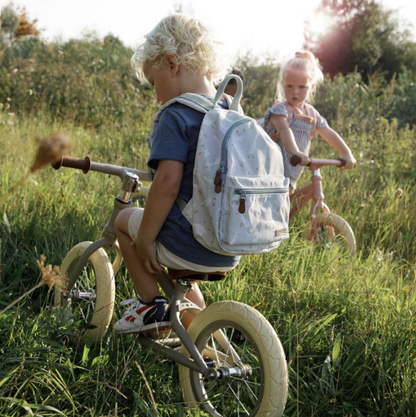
(147, 254)
(304, 158)
(350, 161)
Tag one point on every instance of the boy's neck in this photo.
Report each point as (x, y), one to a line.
(196, 83)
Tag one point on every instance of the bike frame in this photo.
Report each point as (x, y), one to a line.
(176, 292)
(313, 191)
(130, 184)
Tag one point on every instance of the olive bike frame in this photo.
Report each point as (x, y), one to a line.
(176, 292)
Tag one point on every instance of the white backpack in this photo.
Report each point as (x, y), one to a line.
(240, 201)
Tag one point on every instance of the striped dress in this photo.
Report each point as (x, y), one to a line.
(301, 127)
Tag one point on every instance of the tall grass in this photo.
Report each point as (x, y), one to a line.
(347, 325)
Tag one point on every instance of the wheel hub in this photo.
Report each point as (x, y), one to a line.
(76, 294)
(224, 374)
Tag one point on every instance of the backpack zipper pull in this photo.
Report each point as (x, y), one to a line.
(242, 205)
(218, 178)
(218, 181)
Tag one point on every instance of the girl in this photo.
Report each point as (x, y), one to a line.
(292, 123)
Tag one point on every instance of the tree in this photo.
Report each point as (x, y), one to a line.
(13, 26)
(363, 37)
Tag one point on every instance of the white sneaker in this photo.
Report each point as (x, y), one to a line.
(144, 317)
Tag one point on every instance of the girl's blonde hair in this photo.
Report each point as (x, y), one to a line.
(302, 61)
(189, 41)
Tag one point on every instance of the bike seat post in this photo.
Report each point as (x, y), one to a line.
(317, 185)
(182, 287)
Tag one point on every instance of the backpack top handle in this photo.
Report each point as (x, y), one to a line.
(235, 104)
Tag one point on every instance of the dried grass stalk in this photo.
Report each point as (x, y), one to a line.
(50, 277)
(49, 151)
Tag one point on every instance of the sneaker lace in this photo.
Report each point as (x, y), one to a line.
(129, 301)
(134, 304)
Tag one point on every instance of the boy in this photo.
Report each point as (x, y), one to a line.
(179, 56)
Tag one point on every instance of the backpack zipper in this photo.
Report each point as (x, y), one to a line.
(219, 175)
(242, 192)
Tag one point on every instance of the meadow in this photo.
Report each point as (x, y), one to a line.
(347, 324)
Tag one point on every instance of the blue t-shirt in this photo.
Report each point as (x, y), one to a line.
(176, 139)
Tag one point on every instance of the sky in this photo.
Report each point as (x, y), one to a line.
(262, 27)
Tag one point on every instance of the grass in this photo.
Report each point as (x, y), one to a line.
(347, 325)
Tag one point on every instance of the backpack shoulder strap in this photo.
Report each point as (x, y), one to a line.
(195, 101)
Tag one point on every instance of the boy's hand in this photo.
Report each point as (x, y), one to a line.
(350, 161)
(147, 254)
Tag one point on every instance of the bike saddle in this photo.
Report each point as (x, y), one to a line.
(188, 275)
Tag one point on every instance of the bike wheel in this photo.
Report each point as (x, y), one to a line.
(249, 360)
(333, 229)
(91, 298)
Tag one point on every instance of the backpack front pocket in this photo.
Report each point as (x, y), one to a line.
(258, 215)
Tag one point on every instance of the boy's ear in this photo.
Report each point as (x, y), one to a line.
(171, 63)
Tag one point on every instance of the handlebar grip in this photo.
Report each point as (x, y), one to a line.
(71, 162)
(343, 162)
(295, 160)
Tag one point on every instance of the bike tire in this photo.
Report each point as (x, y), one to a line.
(342, 230)
(264, 392)
(97, 277)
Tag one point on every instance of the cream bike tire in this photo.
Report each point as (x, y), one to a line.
(91, 298)
(332, 227)
(257, 381)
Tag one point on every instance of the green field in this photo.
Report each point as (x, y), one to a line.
(347, 325)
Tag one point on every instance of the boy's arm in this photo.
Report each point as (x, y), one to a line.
(286, 136)
(161, 197)
(334, 140)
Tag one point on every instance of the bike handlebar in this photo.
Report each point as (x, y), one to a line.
(77, 163)
(86, 165)
(295, 160)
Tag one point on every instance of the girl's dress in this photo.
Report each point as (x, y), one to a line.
(303, 127)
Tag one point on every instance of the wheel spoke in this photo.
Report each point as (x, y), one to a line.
(237, 393)
(91, 298)
(237, 396)
(249, 363)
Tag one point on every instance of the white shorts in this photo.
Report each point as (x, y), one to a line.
(166, 257)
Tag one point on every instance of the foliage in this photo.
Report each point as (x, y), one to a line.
(13, 26)
(364, 37)
(260, 86)
(346, 324)
(351, 105)
(88, 81)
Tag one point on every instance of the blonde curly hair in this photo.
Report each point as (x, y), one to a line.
(189, 41)
(302, 61)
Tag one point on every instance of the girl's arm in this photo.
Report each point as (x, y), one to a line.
(162, 195)
(287, 137)
(334, 140)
